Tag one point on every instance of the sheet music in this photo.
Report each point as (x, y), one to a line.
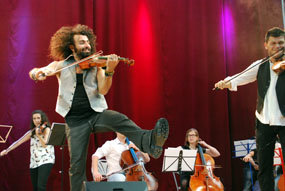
(243, 147)
(170, 160)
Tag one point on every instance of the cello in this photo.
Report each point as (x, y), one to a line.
(204, 178)
(137, 172)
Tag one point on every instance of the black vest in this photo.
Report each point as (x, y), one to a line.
(263, 80)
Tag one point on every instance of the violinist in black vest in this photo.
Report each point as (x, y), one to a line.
(270, 110)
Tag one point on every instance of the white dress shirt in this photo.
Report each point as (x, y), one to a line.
(270, 113)
(112, 151)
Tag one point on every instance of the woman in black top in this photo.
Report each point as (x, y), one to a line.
(191, 141)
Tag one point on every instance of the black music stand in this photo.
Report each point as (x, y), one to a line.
(57, 138)
(178, 160)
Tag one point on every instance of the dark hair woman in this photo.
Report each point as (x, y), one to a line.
(42, 155)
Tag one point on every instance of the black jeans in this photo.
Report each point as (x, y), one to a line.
(78, 139)
(265, 139)
(40, 176)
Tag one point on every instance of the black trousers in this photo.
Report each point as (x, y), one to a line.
(265, 139)
(78, 139)
(40, 176)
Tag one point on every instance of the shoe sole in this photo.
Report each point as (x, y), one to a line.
(156, 152)
(162, 132)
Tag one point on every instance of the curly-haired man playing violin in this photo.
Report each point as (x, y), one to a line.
(81, 100)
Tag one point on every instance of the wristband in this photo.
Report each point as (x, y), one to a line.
(109, 73)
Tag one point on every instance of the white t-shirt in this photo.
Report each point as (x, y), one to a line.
(112, 151)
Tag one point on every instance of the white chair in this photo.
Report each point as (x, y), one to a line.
(102, 167)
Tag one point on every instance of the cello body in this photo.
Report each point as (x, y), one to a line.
(137, 173)
(204, 178)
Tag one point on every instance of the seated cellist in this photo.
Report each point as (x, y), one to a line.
(112, 151)
(191, 141)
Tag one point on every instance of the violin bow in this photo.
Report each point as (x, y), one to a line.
(257, 64)
(122, 170)
(95, 55)
(21, 138)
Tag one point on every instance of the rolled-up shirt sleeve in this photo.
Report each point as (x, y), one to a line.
(103, 150)
(245, 78)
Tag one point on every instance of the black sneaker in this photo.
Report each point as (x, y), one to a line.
(158, 137)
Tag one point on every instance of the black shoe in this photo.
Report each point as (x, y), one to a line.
(158, 137)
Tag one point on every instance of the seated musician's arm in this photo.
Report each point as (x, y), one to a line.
(145, 155)
(248, 158)
(210, 149)
(101, 152)
(96, 175)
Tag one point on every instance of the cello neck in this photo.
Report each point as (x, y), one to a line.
(132, 151)
(200, 150)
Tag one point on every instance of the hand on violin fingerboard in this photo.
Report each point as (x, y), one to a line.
(112, 62)
(38, 131)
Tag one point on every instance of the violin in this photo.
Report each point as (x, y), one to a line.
(94, 60)
(101, 61)
(138, 172)
(41, 128)
(204, 178)
(279, 67)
